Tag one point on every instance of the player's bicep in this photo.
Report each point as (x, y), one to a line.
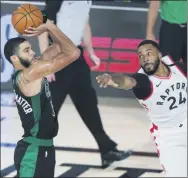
(37, 70)
(143, 87)
(42, 68)
(51, 52)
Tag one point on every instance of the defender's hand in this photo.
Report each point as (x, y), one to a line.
(105, 80)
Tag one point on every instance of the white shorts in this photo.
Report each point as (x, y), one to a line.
(171, 145)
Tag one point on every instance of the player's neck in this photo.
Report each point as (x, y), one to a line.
(19, 67)
(162, 71)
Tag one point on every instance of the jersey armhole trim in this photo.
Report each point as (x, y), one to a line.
(183, 73)
(151, 84)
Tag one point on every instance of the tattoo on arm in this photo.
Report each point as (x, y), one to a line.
(124, 82)
(118, 79)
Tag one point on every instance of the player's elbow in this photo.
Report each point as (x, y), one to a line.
(75, 54)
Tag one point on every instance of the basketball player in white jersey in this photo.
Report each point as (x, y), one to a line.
(161, 88)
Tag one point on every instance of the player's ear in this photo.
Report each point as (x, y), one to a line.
(14, 58)
(160, 55)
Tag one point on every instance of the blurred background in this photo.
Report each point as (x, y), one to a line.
(117, 28)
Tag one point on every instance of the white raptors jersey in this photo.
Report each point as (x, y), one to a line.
(167, 104)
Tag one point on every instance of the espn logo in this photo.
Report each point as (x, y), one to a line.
(117, 55)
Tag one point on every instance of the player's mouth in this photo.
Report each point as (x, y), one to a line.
(148, 66)
(36, 58)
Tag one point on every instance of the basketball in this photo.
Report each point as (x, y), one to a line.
(26, 15)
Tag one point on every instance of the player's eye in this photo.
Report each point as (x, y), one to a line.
(26, 50)
(149, 54)
(141, 57)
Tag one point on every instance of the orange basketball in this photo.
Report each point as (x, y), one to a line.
(26, 15)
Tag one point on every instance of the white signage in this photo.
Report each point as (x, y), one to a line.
(7, 32)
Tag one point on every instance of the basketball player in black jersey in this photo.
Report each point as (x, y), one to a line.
(34, 154)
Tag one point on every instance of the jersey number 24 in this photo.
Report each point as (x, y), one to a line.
(176, 103)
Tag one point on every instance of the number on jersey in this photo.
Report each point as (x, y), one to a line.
(176, 103)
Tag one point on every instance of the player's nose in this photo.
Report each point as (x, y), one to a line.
(146, 60)
(33, 53)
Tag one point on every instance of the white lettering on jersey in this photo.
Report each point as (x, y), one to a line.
(24, 104)
(48, 95)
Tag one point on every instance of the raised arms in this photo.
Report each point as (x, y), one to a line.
(56, 57)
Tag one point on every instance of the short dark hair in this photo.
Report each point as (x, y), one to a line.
(153, 43)
(11, 47)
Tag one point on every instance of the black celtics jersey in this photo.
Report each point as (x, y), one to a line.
(36, 113)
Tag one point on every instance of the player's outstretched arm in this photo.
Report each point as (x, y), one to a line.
(139, 83)
(116, 81)
(56, 57)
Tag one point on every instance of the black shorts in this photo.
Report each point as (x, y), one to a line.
(31, 160)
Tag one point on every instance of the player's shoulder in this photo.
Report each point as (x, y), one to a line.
(181, 67)
(21, 81)
(15, 76)
(168, 60)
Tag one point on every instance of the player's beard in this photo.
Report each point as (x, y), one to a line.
(155, 67)
(24, 62)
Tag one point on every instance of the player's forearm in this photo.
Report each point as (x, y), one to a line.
(152, 15)
(88, 39)
(124, 82)
(66, 45)
(43, 42)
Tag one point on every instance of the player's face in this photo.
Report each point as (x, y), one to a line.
(26, 54)
(149, 58)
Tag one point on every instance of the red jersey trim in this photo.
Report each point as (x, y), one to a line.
(168, 77)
